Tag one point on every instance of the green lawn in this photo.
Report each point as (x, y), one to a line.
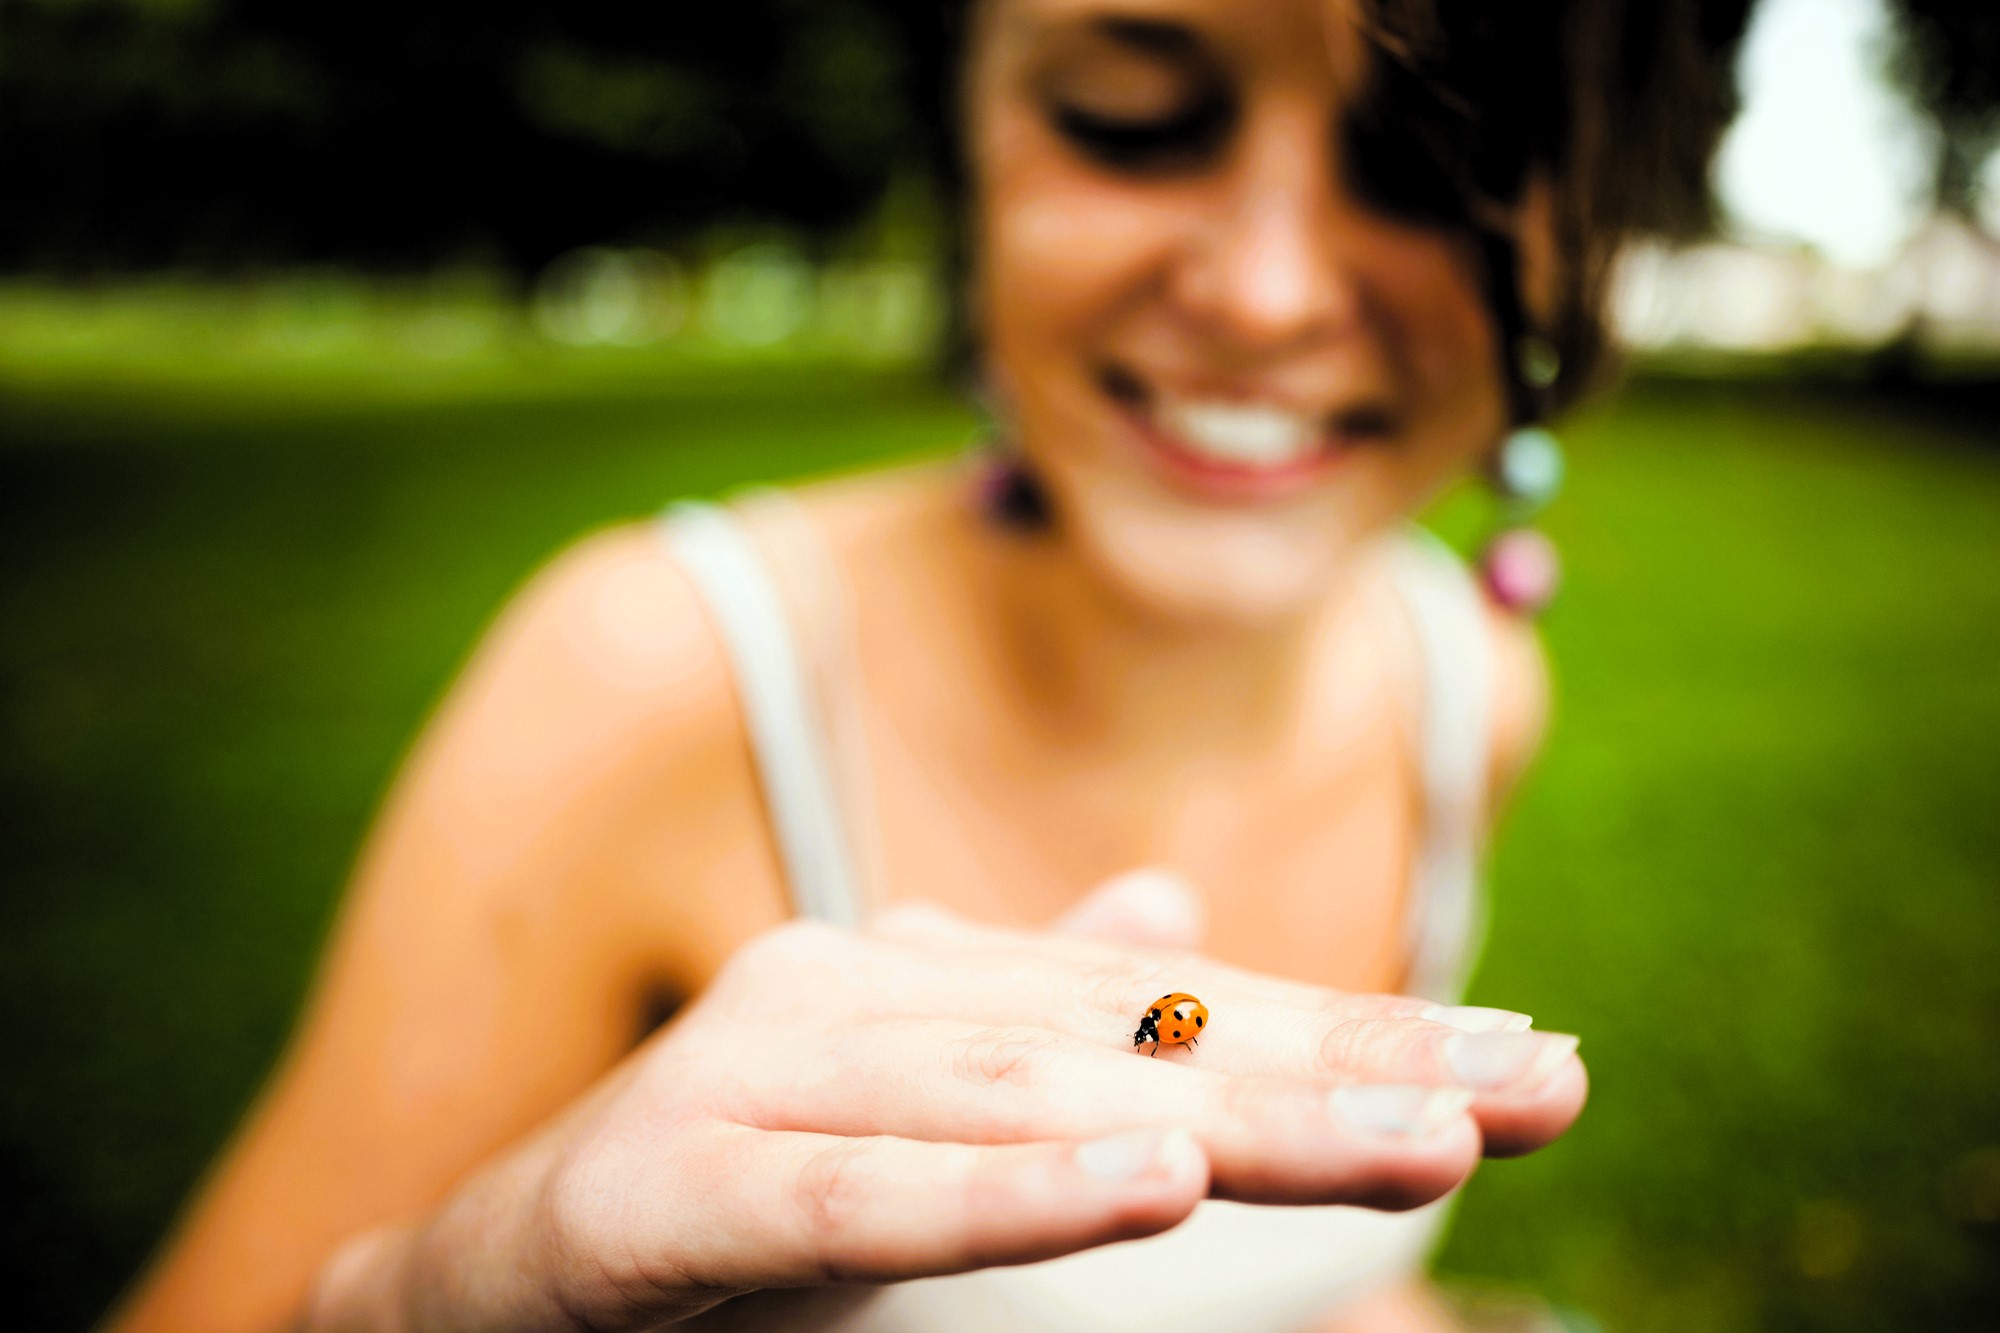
(1757, 869)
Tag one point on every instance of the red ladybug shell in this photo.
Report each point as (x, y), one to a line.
(1172, 1020)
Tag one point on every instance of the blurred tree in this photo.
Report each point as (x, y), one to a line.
(224, 134)
(1949, 61)
(231, 132)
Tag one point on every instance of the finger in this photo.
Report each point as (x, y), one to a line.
(1529, 1087)
(804, 1209)
(1515, 1124)
(1144, 907)
(1273, 1140)
(1081, 983)
(1100, 993)
(1257, 1024)
(1252, 1036)
(1010, 957)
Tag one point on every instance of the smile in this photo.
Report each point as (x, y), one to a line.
(1240, 449)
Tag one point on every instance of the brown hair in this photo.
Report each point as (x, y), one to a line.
(1619, 103)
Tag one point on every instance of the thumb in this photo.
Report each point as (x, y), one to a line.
(1149, 907)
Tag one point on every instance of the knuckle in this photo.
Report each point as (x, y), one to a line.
(1244, 1100)
(603, 1270)
(595, 1276)
(1121, 989)
(1344, 1046)
(780, 952)
(832, 1195)
(573, 1201)
(1017, 1056)
(1362, 1045)
(1276, 1114)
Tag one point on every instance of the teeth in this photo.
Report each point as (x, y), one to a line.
(1241, 433)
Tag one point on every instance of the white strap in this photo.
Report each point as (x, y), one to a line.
(776, 696)
(1447, 920)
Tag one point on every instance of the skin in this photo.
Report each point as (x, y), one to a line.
(579, 837)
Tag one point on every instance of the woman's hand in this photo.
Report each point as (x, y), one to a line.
(931, 1096)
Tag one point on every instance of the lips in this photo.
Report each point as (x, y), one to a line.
(1243, 435)
(1240, 447)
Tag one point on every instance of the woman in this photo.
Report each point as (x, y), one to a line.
(1254, 281)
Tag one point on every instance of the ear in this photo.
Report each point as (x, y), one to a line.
(1148, 907)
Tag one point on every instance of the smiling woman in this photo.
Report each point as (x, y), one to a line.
(1295, 239)
(1252, 282)
(1228, 371)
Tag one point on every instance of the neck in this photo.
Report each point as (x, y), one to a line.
(1097, 674)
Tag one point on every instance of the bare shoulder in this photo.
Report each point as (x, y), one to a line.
(1520, 700)
(601, 671)
(593, 749)
(613, 626)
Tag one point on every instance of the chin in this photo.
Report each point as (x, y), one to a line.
(1193, 568)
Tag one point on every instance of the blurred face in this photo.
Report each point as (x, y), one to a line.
(1230, 371)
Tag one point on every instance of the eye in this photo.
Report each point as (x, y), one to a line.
(1184, 139)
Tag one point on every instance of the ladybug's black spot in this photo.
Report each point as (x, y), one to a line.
(1197, 1020)
(1177, 1034)
(1155, 1015)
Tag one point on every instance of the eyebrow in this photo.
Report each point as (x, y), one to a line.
(1162, 35)
(1158, 37)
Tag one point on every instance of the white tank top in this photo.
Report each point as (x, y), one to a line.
(1230, 1266)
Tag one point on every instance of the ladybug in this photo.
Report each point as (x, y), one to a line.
(1171, 1020)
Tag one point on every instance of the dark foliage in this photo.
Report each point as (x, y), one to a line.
(226, 134)
(237, 132)
(1950, 61)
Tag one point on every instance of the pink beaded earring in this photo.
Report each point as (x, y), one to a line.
(1004, 488)
(1518, 564)
(1007, 492)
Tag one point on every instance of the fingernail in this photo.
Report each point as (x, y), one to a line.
(1477, 1018)
(1119, 1156)
(1398, 1109)
(1515, 1060)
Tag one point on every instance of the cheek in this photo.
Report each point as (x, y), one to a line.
(1438, 332)
(1441, 333)
(1061, 252)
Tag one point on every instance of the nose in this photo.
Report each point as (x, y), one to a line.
(1266, 269)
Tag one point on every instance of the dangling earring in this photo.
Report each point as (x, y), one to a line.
(1518, 564)
(1008, 492)
(1005, 489)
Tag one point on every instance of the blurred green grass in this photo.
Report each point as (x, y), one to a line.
(1756, 869)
